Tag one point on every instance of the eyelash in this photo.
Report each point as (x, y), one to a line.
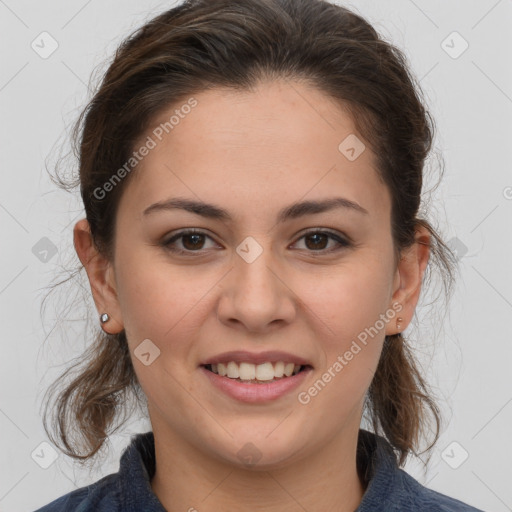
(343, 243)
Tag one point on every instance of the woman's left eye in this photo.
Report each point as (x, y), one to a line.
(319, 237)
(192, 241)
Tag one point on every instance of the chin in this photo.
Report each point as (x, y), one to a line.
(258, 451)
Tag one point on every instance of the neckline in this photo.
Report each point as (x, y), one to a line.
(375, 461)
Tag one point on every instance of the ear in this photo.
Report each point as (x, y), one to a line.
(408, 278)
(101, 277)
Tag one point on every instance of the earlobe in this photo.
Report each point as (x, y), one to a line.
(100, 273)
(409, 277)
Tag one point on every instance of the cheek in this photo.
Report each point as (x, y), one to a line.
(148, 299)
(161, 305)
(349, 298)
(162, 302)
(351, 333)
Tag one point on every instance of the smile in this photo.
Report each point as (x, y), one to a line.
(253, 390)
(255, 373)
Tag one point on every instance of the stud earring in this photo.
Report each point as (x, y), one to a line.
(104, 318)
(398, 321)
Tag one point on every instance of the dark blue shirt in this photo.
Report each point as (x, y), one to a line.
(389, 488)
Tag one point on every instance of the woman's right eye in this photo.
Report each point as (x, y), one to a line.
(193, 245)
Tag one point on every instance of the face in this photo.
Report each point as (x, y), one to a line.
(298, 288)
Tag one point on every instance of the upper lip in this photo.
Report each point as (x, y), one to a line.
(272, 356)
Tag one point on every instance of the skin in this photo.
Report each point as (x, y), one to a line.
(254, 153)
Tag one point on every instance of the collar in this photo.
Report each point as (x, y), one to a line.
(378, 469)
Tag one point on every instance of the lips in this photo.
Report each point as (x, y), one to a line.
(254, 390)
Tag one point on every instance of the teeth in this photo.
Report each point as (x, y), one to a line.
(265, 371)
(233, 372)
(249, 372)
(288, 369)
(279, 369)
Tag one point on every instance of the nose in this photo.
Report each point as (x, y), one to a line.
(257, 294)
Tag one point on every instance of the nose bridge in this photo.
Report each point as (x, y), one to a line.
(255, 265)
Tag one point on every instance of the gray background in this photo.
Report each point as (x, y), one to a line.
(466, 358)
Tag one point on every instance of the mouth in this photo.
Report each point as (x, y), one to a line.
(252, 377)
(251, 373)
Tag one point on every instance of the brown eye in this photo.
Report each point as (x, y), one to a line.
(192, 241)
(317, 241)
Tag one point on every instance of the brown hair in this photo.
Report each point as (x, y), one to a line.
(202, 44)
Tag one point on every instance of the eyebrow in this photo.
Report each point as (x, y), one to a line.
(292, 211)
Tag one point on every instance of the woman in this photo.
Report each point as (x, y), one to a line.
(251, 173)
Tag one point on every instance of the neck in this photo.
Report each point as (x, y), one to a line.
(325, 480)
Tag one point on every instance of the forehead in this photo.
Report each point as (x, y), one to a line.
(274, 145)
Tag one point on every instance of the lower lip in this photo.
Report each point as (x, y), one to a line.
(246, 392)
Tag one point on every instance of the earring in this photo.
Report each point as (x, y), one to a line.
(398, 320)
(104, 318)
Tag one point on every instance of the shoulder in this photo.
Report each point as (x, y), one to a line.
(419, 497)
(392, 489)
(129, 488)
(102, 495)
